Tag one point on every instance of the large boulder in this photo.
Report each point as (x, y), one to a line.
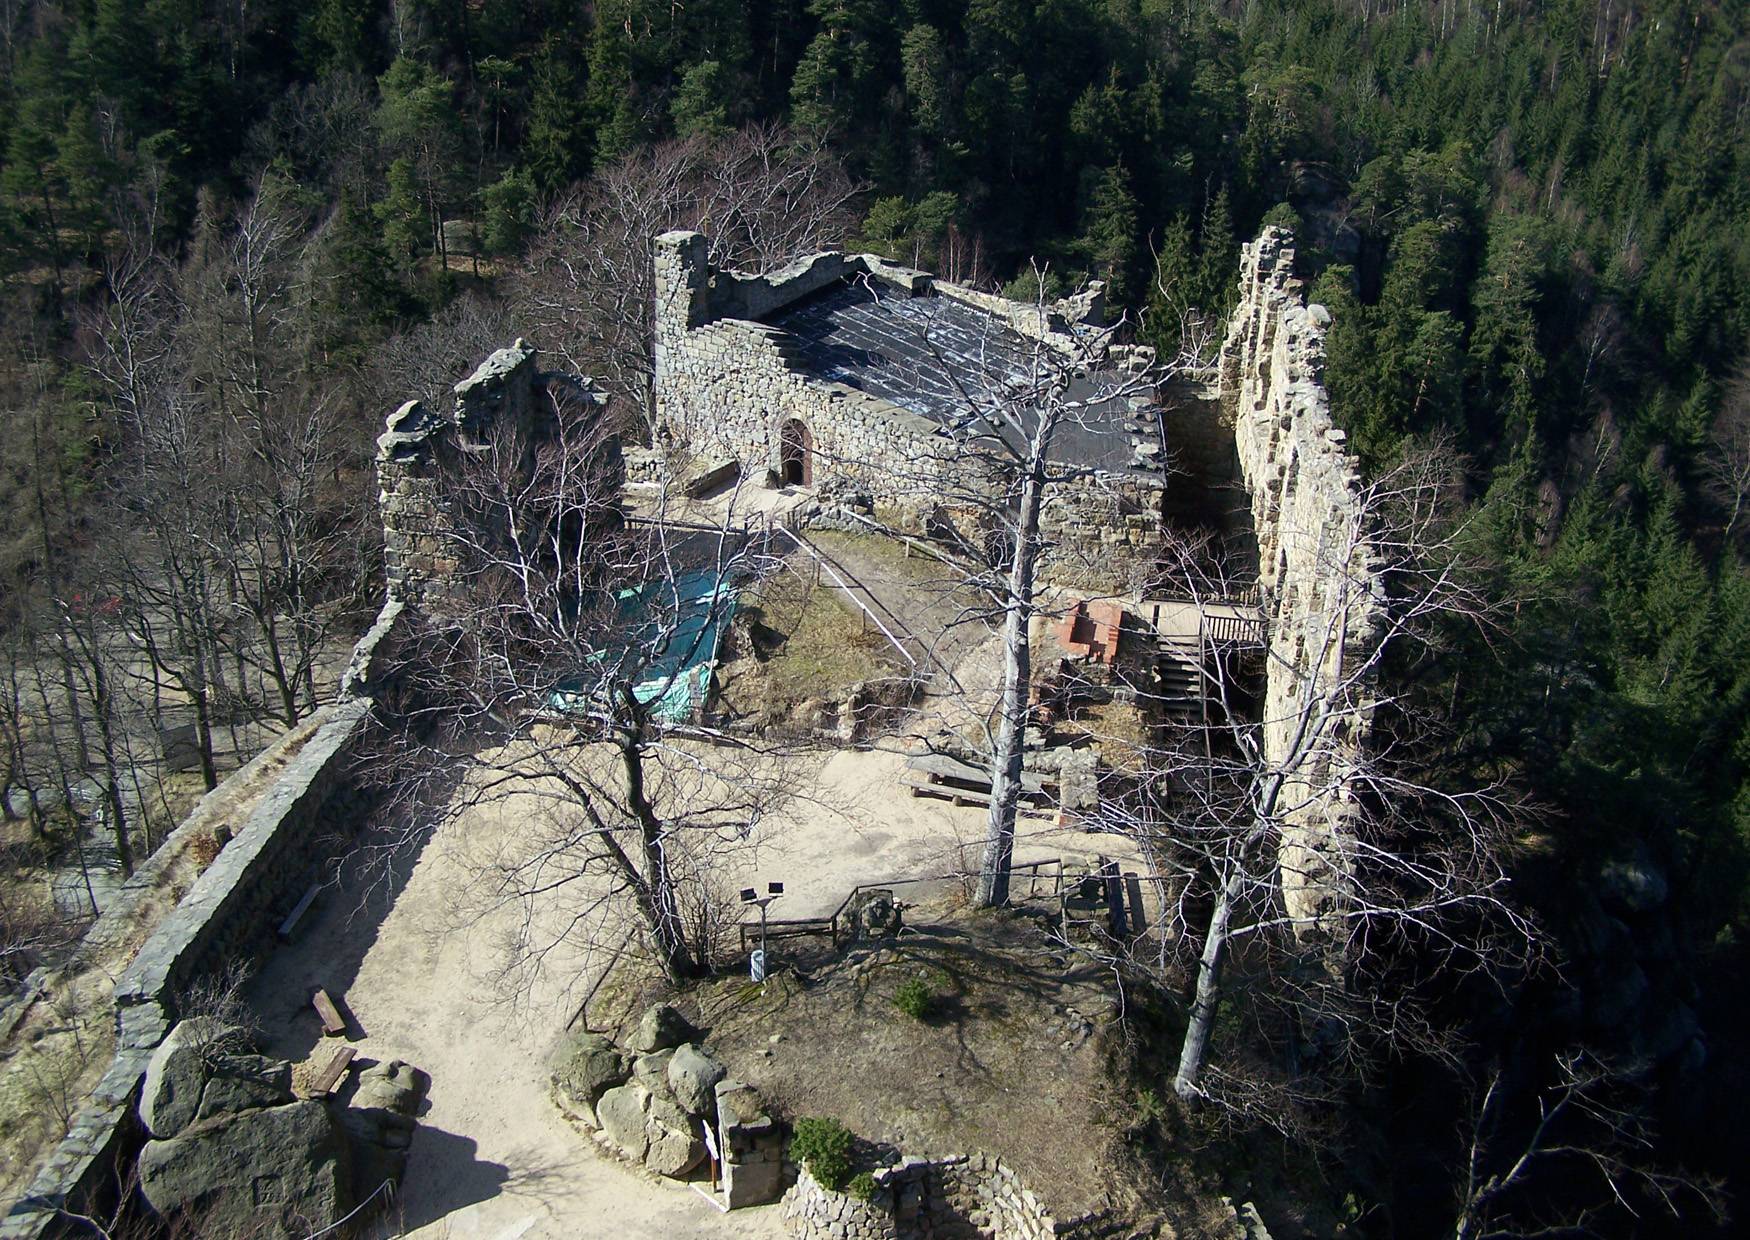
(651, 1129)
(243, 1083)
(272, 1172)
(380, 1122)
(676, 1142)
(651, 1071)
(693, 1077)
(585, 1068)
(395, 1086)
(196, 1060)
(621, 1113)
(660, 1028)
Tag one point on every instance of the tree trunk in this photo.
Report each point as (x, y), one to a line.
(1006, 761)
(1195, 1048)
(656, 895)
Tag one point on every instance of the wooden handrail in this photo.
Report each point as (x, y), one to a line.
(794, 926)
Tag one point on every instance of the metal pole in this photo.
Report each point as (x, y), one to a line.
(765, 960)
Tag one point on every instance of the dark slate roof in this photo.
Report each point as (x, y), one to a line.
(938, 357)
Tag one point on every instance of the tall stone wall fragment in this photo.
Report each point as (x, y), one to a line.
(1317, 573)
(430, 547)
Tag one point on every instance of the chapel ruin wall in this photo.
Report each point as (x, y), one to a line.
(727, 386)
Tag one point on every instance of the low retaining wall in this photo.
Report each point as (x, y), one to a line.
(231, 911)
(961, 1197)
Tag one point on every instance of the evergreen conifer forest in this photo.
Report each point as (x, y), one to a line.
(234, 236)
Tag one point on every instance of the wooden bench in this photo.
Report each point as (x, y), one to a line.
(289, 926)
(332, 1025)
(936, 775)
(330, 1077)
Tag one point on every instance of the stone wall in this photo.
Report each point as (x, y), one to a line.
(1317, 571)
(231, 912)
(728, 386)
(427, 540)
(960, 1197)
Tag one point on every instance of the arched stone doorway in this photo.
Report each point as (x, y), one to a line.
(795, 454)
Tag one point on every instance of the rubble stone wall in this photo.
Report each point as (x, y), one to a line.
(960, 1197)
(1322, 591)
(728, 387)
(231, 912)
(426, 564)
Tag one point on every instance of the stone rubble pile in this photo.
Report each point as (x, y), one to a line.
(654, 1098)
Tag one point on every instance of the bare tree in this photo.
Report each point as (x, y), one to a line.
(241, 534)
(1308, 843)
(1583, 1129)
(764, 195)
(565, 678)
(1018, 409)
(1728, 466)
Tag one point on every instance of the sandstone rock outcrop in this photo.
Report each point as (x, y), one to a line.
(380, 1121)
(654, 1106)
(193, 1076)
(238, 1154)
(277, 1171)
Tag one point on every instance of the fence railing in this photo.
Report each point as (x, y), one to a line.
(1042, 876)
(1234, 630)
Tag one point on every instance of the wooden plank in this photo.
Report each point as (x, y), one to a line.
(1034, 805)
(325, 1084)
(289, 926)
(332, 1025)
(941, 766)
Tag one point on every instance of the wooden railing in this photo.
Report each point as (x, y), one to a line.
(1233, 630)
(1039, 875)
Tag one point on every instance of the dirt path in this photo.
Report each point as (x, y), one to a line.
(422, 964)
(492, 1158)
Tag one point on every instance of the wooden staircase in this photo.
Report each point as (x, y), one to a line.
(1180, 682)
(1197, 641)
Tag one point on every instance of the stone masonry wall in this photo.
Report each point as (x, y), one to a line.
(960, 1197)
(1316, 567)
(426, 564)
(231, 912)
(726, 386)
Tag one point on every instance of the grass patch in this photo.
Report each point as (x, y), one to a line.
(889, 553)
(808, 642)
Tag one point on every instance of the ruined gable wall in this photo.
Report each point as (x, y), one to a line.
(725, 387)
(424, 561)
(1316, 570)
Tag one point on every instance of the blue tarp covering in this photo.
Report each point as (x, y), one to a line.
(672, 628)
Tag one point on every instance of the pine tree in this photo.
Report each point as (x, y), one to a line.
(701, 102)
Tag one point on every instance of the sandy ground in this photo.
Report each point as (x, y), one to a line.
(440, 969)
(421, 963)
(492, 1157)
